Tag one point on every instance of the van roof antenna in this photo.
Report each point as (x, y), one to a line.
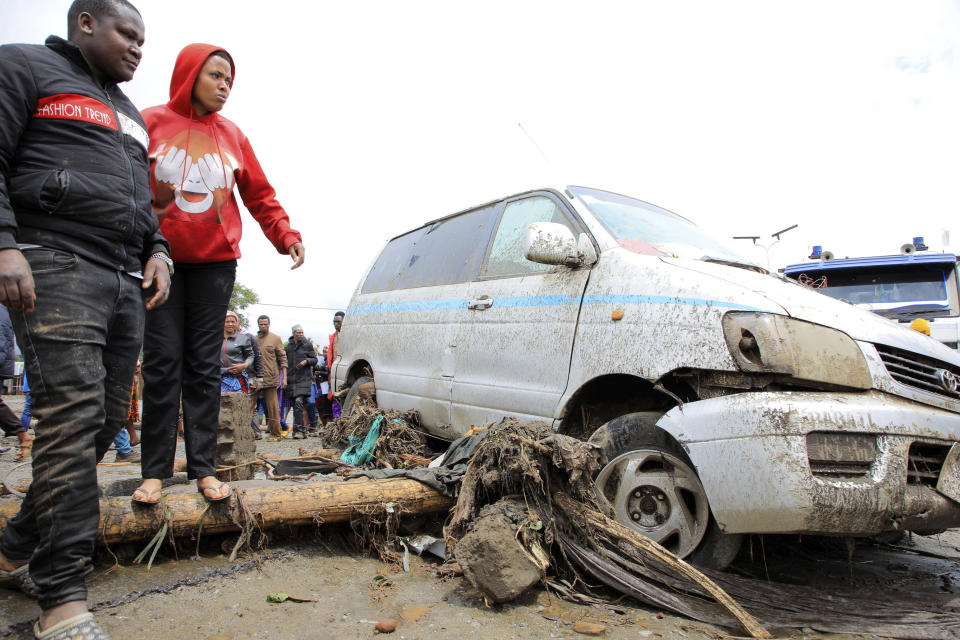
(534, 143)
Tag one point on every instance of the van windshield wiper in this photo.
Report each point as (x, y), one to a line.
(735, 263)
(914, 311)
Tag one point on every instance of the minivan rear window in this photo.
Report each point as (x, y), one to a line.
(445, 252)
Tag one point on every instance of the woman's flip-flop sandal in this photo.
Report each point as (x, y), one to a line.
(81, 627)
(20, 580)
(148, 496)
(217, 491)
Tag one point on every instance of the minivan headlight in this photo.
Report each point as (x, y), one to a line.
(771, 343)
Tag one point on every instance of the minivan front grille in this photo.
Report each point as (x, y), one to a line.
(924, 463)
(919, 372)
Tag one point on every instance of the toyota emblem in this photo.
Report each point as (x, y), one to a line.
(949, 380)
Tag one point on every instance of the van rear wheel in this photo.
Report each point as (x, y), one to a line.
(654, 489)
(363, 390)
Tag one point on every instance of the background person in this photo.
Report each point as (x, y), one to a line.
(274, 372)
(26, 446)
(197, 158)
(127, 438)
(239, 359)
(74, 265)
(322, 380)
(331, 356)
(9, 423)
(301, 357)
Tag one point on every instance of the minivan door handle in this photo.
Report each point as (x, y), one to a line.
(483, 302)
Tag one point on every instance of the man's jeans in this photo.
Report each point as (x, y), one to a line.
(299, 404)
(80, 347)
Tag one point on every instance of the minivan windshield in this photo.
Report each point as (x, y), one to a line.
(647, 229)
(890, 291)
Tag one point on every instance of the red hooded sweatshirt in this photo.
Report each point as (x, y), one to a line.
(195, 161)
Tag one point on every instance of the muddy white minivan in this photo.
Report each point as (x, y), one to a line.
(728, 400)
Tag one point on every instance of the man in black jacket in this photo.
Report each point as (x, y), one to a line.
(301, 357)
(80, 253)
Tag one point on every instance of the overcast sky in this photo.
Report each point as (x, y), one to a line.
(371, 118)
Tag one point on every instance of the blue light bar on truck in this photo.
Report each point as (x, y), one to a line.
(875, 261)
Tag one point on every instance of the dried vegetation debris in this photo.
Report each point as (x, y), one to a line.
(537, 485)
(527, 459)
(402, 443)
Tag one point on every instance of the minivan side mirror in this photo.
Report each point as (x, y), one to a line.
(553, 243)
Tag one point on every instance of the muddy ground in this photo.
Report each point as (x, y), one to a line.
(208, 597)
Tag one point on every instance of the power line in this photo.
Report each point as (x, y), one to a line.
(294, 306)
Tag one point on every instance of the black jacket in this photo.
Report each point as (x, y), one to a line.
(74, 173)
(300, 380)
(7, 366)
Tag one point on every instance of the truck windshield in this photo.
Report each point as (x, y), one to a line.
(923, 287)
(647, 229)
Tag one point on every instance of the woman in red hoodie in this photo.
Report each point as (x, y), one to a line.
(196, 158)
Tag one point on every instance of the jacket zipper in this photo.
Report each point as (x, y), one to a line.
(130, 176)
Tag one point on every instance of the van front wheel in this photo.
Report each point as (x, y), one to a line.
(363, 390)
(654, 489)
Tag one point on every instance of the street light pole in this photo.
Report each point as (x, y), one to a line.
(767, 246)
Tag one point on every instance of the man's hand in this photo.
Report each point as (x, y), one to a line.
(156, 270)
(16, 281)
(255, 385)
(298, 253)
(237, 368)
(301, 364)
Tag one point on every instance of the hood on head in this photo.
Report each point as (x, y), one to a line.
(185, 71)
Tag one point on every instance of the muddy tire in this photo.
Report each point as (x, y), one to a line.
(363, 390)
(654, 489)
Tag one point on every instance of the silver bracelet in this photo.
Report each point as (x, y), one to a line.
(165, 259)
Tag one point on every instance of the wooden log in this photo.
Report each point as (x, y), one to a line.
(317, 453)
(594, 519)
(316, 503)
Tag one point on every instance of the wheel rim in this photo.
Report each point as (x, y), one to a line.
(659, 496)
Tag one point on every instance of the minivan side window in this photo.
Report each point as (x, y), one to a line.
(506, 252)
(445, 252)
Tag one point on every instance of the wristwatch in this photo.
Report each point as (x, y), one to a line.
(165, 259)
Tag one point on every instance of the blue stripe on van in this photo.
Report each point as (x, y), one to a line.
(622, 298)
(416, 305)
(542, 301)
(536, 301)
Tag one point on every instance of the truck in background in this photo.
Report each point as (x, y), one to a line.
(916, 283)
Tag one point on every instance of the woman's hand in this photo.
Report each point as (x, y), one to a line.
(298, 253)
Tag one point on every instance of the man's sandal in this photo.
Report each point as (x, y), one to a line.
(19, 579)
(147, 497)
(81, 627)
(217, 490)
